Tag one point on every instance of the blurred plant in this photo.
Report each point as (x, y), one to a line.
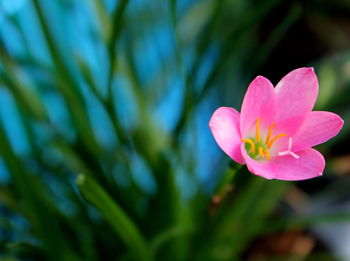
(104, 138)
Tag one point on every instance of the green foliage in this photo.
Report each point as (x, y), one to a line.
(108, 212)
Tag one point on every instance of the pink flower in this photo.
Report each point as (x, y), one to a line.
(276, 128)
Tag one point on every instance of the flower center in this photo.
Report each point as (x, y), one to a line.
(256, 147)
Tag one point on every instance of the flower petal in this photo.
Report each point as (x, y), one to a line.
(260, 168)
(296, 93)
(259, 102)
(318, 127)
(310, 164)
(224, 125)
(290, 126)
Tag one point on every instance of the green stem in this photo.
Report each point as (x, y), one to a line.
(117, 25)
(116, 217)
(227, 180)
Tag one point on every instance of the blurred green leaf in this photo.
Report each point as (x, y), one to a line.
(122, 91)
(116, 217)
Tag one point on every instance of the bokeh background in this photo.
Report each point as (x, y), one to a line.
(105, 148)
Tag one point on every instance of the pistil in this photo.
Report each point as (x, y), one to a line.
(289, 151)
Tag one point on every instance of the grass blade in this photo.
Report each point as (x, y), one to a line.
(116, 217)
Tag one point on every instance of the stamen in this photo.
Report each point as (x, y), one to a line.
(251, 143)
(258, 129)
(269, 133)
(267, 154)
(274, 139)
(261, 152)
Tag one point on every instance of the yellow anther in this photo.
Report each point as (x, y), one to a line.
(269, 133)
(257, 126)
(274, 139)
(257, 149)
(251, 143)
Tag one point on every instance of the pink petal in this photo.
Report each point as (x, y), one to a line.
(309, 165)
(259, 102)
(289, 126)
(224, 125)
(296, 93)
(260, 168)
(318, 127)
